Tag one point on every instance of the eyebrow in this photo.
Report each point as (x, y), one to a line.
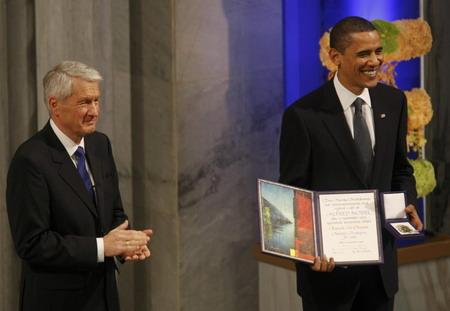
(369, 50)
(88, 99)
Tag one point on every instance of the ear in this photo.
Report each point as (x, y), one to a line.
(53, 106)
(335, 56)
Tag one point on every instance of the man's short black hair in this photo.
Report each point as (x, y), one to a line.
(340, 34)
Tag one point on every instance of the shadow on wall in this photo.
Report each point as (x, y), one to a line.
(254, 105)
(254, 96)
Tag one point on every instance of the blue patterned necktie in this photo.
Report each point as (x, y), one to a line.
(81, 168)
(362, 139)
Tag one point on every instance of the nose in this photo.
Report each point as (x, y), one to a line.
(375, 59)
(93, 109)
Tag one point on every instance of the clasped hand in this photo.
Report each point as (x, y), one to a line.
(128, 244)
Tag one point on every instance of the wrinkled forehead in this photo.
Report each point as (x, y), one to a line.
(82, 87)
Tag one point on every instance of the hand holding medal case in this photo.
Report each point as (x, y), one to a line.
(396, 220)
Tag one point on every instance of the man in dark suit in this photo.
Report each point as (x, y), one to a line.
(330, 140)
(64, 205)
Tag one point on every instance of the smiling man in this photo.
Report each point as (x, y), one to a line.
(350, 134)
(64, 205)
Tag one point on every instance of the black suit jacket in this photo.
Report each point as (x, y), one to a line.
(317, 152)
(54, 223)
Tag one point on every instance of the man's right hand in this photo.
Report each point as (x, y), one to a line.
(322, 264)
(120, 240)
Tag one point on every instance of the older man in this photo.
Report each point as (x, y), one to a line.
(64, 205)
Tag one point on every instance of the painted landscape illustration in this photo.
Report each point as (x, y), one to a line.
(286, 221)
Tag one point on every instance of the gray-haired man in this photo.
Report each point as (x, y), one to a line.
(64, 205)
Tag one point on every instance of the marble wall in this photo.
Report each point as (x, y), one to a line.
(39, 34)
(422, 286)
(154, 148)
(228, 95)
(192, 101)
(17, 122)
(7, 258)
(208, 77)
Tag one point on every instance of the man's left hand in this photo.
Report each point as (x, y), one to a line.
(414, 217)
(142, 253)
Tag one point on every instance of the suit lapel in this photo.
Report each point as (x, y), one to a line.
(67, 170)
(380, 117)
(334, 119)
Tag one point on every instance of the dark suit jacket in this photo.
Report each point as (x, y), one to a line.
(317, 152)
(54, 223)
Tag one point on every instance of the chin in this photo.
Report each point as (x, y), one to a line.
(89, 130)
(372, 83)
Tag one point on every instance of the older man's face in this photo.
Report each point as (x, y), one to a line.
(77, 114)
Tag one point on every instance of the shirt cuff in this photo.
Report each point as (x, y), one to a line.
(100, 250)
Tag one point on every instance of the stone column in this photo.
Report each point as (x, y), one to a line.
(207, 100)
(155, 154)
(192, 100)
(17, 122)
(9, 281)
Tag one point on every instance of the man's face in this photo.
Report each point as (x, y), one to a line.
(77, 114)
(359, 63)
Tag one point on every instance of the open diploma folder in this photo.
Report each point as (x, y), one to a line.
(302, 224)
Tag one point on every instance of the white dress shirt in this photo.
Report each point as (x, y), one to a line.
(71, 147)
(346, 97)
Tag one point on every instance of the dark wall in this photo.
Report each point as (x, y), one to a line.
(437, 83)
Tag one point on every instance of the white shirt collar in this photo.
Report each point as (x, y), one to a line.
(346, 97)
(68, 143)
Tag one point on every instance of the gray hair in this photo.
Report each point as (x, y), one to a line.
(58, 81)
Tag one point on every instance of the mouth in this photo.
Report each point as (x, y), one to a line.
(372, 73)
(90, 122)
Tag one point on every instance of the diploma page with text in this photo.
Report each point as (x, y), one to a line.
(349, 224)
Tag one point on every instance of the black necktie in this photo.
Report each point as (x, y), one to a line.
(81, 168)
(362, 139)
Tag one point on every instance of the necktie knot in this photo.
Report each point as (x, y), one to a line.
(358, 103)
(79, 154)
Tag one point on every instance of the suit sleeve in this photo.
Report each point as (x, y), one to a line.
(119, 215)
(295, 151)
(30, 220)
(403, 178)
